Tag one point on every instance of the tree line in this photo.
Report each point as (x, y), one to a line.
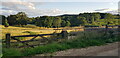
(66, 20)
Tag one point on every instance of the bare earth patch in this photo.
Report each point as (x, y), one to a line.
(111, 49)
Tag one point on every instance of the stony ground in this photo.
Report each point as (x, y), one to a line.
(110, 49)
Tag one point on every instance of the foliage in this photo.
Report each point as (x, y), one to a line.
(68, 23)
(63, 24)
(100, 19)
(57, 22)
(6, 23)
(18, 19)
(2, 18)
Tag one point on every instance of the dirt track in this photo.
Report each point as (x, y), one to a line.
(110, 49)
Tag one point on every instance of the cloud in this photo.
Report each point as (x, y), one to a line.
(18, 5)
(5, 9)
(67, 0)
(8, 8)
(7, 12)
(107, 10)
(113, 12)
(111, 3)
(31, 9)
(28, 7)
(48, 12)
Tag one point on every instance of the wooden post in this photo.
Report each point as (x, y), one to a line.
(118, 28)
(106, 29)
(8, 40)
(64, 34)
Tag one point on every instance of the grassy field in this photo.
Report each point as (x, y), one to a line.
(15, 31)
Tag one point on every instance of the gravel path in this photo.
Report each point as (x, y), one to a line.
(110, 49)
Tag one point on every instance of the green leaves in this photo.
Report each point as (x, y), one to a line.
(6, 23)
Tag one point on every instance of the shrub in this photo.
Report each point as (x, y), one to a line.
(6, 24)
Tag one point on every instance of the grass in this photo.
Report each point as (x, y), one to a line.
(11, 52)
(27, 30)
(30, 32)
(84, 39)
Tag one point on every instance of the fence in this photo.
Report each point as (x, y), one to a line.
(63, 34)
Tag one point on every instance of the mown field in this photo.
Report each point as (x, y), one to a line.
(28, 30)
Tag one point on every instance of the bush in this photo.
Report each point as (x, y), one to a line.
(6, 24)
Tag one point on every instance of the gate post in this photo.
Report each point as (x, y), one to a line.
(106, 29)
(64, 34)
(118, 28)
(8, 40)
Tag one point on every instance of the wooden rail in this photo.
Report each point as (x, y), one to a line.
(34, 35)
(63, 34)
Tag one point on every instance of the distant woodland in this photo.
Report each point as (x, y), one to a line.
(66, 20)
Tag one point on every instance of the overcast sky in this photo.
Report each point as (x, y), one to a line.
(57, 7)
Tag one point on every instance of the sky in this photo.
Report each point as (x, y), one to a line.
(57, 7)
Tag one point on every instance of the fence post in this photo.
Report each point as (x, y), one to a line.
(64, 34)
(8, 40)
(106, 29)
(118, 28)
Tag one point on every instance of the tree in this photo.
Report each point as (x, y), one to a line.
(63, 24)
(86, 15)
(21, 18)
(63, 20)
(2, 18)
(48, 21)
(6, 23)
(57, 22)
(92, 19)
(83, 21)
(68, 23)
(12, 20)
(38, 22)
(108, 17)
(31, 20)
(44, 21)
(96, 16)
